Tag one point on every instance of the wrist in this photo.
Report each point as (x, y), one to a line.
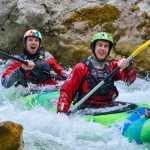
(129, 67)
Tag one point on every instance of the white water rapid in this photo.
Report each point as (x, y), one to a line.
(44, 130)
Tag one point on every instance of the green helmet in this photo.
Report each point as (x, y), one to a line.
(101, 36)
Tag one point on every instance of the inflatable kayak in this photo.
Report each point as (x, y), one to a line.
(136, 124)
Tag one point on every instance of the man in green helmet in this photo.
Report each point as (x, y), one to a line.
(89, 72)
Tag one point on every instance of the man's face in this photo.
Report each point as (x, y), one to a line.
(102, 49)
(32, 44)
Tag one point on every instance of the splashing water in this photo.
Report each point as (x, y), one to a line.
(44, 130)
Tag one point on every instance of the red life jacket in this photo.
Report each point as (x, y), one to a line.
(105, 94)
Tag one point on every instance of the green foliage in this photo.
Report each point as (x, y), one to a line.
(141, 25)
(80, 54)
(134, 8)
(94, 15)
(144, 26)
(109, 27)
(70, 58)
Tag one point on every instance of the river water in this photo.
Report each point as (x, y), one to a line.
(44, 130)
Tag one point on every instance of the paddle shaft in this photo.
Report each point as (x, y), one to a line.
(13, 58)
(19, 60)
(24, 62)
(135, 53)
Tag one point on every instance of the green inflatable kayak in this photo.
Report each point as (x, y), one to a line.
(136, 124)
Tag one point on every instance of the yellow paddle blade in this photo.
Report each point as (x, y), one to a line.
(142, 47)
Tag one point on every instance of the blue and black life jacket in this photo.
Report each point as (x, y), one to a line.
(41, 72)
(95, 77)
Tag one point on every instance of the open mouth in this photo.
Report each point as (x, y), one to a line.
(102, 53)
(33, 47)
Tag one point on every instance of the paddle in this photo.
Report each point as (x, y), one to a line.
(52, 73)
(134, 54)
(21, 61)
(13, 58)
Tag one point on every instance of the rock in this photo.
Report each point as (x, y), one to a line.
(11, 136)
(67, 26)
